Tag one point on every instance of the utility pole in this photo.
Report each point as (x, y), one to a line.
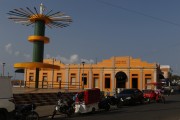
(3, 68)
(83, 76)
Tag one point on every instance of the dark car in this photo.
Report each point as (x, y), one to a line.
(131, 96)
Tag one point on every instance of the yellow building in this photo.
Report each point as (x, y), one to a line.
(116, 72)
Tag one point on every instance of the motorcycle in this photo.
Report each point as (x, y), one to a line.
(64, 107)
(112, 100)
(160, 97)
(26, 112)
(157, 94)
(104, 104)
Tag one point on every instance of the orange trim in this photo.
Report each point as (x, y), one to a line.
(42, 17)
(35, 65)
(38, 38)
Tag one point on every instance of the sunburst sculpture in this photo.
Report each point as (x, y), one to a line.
(39, 20)
(28, 17)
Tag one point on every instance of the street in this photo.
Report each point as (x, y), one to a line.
(153, 111)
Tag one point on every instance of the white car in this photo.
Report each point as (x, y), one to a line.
(7, 106)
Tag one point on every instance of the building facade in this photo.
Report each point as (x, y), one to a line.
(108, 75)
(166, 71)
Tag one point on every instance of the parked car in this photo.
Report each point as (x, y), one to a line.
(131, 96)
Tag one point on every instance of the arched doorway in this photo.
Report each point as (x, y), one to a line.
(121, 78)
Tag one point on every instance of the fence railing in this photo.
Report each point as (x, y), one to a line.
(48, 84)
(17, 83)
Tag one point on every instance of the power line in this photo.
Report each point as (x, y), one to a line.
(137, 12)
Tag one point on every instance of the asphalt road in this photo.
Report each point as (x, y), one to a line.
(153, 111)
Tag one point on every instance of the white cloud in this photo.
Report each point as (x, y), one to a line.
(8, 48)
(17, 53)
(48, 56)
(27, 56)
(73, 59)
(87, 61)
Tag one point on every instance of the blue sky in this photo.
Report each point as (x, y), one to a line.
(146, 29)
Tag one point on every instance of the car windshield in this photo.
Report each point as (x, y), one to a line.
(127, 92)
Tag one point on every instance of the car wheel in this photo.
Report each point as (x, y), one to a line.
(93, 110)
(142, 101)
(119, 104)
(132, 102)
(107, 108)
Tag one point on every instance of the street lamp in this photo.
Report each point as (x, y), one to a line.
(3, 68)
(83, 76)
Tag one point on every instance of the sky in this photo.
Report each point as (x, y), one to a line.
(101, 29)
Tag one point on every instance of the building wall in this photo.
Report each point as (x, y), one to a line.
(101, 75)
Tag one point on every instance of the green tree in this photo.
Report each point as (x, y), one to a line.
(175, 77)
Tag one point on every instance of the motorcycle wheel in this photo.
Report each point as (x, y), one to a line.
(3, 115)
(69, 114)
(119, 104)
(32, 116)
(93, 110)
(54, 113)
(71, 111)
(163, 100)
(158, 99)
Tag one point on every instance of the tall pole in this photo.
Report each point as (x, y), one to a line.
(39, 20)
(83, 76)
(52, 73)
(3, 68)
